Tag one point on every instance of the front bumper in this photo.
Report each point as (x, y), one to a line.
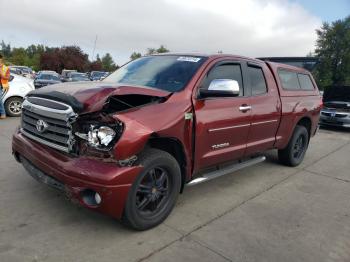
(332, 118)
(75, 175)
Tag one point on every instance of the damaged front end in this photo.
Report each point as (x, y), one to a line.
(88, 122)
(97, 133)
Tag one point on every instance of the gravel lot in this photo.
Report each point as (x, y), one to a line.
(267, 212)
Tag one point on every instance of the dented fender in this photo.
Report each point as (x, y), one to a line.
(133, 139)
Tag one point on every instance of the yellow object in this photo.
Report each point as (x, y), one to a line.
(6, 72)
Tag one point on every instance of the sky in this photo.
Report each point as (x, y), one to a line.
(252, 28)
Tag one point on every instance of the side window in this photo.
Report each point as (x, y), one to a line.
(257, 80)
(225, 71)
(305, 82)
(289, 79)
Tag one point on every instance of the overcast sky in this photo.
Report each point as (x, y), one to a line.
(247, 27)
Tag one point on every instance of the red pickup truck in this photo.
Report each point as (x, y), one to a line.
(127, 146)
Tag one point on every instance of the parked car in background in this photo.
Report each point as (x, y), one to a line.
(14, 70)
(19, 87)
(128, 145)
(65, 74)
(97, 75)
(336, 106)
(47, 72)
(23, 71)
(77, 77)
(45, 79)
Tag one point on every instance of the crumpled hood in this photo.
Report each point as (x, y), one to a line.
(86, 97)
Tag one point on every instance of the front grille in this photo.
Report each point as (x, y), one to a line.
(339, 110)
(48, 125)
(333, 115)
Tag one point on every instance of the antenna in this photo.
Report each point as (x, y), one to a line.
(93, 51)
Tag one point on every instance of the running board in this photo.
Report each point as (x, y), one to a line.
(227, 170)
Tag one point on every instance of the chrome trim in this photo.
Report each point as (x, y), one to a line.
(67, 115)
(49, 112)
(218, 146)
(245, 108)
(231, 127)
(225, 128)
(346, 114)
(226, 170)
(42, 141)
(264, 122)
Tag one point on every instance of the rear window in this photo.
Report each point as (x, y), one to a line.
(257, 80)
(305, 82)
(289, 79)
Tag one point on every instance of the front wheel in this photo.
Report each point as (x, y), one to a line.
(154, 192)
(13, 106)
(295, 151)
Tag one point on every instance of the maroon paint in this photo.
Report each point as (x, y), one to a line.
(268, 125)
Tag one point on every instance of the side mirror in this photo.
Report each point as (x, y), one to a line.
(11, 78)
(221, 88)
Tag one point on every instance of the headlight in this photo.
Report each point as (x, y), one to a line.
(100, 136)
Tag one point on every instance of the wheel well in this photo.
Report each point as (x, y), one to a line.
(306, 122)
(174, 148)
(12, 97)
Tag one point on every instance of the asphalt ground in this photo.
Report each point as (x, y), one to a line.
(267, 212)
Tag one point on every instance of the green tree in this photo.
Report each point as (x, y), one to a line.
(5, 49)
(108, 63)
(19, 56)
(151, 51)
(162, 49)
(333, 52)
(135, 55)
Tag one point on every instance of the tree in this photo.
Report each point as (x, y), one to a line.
(5, 49)
(97, 64)
(135, 55)
(162, 49)
(66, 57)
(333, 52)
(108, 63)
(18, 56)
(50, 60)
(151, 51)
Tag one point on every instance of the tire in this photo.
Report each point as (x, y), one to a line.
(154, 193)
(13, 106)
(294, 153)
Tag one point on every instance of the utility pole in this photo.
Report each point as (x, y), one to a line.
(93, 51)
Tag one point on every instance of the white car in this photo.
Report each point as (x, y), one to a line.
(19, 87)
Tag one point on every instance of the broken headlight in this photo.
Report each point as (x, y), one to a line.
(100, 136)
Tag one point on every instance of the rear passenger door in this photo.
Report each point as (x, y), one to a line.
(265, 108)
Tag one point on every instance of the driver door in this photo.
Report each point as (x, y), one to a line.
(222, 123)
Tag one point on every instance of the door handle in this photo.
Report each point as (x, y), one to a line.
(244, 108)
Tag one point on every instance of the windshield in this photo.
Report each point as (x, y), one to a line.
(97, 74)
(170, 72)
(79, 77)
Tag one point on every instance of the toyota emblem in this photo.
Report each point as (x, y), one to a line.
(41, 126)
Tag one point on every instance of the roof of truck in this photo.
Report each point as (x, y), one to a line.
(209, 55)
(215, 55)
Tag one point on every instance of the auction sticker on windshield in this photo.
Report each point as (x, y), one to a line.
(189, 59)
